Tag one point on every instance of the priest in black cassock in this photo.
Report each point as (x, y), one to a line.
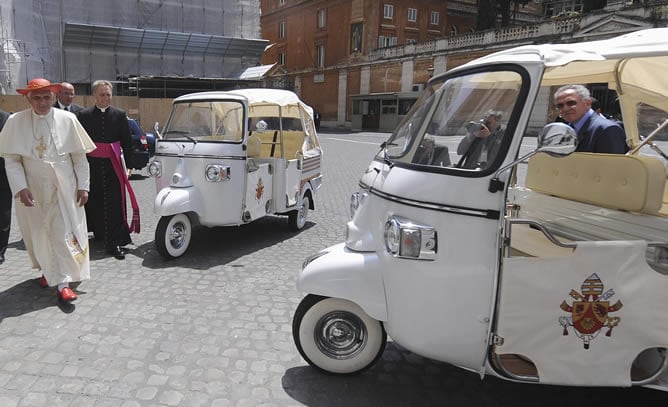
(106, 208)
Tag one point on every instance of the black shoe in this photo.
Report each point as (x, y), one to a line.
(2, 258)
(117, 252)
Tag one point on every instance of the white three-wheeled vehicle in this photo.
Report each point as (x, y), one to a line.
(530, 262)
(229, 158)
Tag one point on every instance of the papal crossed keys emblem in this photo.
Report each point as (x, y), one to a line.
(590, 311)
(259, 189)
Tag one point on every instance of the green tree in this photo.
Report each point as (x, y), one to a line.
(488, 10)
(486, 15)
(589, 5)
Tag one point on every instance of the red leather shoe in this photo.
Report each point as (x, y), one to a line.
(42, 282)
(67, 295)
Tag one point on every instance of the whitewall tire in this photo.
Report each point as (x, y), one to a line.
(172, 236)
(337, 336)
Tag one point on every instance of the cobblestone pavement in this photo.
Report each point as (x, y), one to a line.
(213, 328)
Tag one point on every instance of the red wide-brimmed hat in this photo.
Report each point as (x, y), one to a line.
(39, 84)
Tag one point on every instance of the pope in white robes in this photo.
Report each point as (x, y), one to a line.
(45, 157)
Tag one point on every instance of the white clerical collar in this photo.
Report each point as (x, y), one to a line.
(62, 106)
(102, 109)
(42, 116)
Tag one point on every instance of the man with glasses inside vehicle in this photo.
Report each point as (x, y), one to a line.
(596, 134)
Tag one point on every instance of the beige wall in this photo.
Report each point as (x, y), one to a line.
(146, 111)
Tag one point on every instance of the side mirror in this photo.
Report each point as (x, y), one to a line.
(557, 140)
(261, 126)
(156, 130)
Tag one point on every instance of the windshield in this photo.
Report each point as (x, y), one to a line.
(458, 123)
(206, 121)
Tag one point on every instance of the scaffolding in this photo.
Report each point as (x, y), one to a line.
(80, 41)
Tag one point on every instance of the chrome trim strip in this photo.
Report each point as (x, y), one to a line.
(458, 210)
(243, 158)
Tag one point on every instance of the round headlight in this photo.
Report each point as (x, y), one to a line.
(213, 173)
(392, 236)
(154, 169)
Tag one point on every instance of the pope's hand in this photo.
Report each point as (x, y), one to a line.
(25, 196)
(82, 197)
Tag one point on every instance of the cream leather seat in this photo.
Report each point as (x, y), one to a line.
(254, 145)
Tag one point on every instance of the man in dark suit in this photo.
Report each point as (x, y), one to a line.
(5, 199)
(66, 98)
(596, 134)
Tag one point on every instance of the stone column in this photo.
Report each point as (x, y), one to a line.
(407, 68)
(440, 64)
(343, 93)
(365, 80)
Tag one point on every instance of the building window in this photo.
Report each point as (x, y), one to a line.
(322, 18)
(435, 18)
(281, 29)
(320, 55)
(453, 30)
(281, 58)
(412, 15)
(388, 11)
(388, 106)
(384, 42)
(411, 41)
(282, 2)
(557, 8)
(356, 38)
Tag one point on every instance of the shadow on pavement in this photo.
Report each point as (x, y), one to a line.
(137, 177)
(18, 245)
(403, 379)
(26, 297)
(210, 247)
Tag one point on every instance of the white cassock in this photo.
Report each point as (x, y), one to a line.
(47, 154)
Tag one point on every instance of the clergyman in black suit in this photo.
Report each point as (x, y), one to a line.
(66, 97)
(596, 134)
(5, 199)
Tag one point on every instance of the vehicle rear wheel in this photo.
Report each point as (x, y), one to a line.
(297, 219)
(336, 335)
(172, 236)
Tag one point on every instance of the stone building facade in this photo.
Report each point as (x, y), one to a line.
(370, 88)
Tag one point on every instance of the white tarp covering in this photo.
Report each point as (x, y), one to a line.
(34, 42)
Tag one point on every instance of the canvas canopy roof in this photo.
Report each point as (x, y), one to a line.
(287, 100)
(634, 65)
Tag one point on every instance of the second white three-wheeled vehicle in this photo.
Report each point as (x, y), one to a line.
(229, 158)
(523, 259)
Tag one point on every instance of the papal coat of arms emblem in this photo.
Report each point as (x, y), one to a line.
(589, 312)
(259, 189)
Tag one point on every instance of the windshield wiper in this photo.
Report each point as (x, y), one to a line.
(185, 134)
(387, 161)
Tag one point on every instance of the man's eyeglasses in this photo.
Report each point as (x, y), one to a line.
(570, 103)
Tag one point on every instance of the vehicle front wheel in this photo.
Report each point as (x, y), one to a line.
(297, 219)
(172, 236)
(337, 336)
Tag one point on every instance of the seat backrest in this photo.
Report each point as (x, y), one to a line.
(254, 145)
(632, 183)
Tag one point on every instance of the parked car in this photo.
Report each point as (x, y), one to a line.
(143, 147)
